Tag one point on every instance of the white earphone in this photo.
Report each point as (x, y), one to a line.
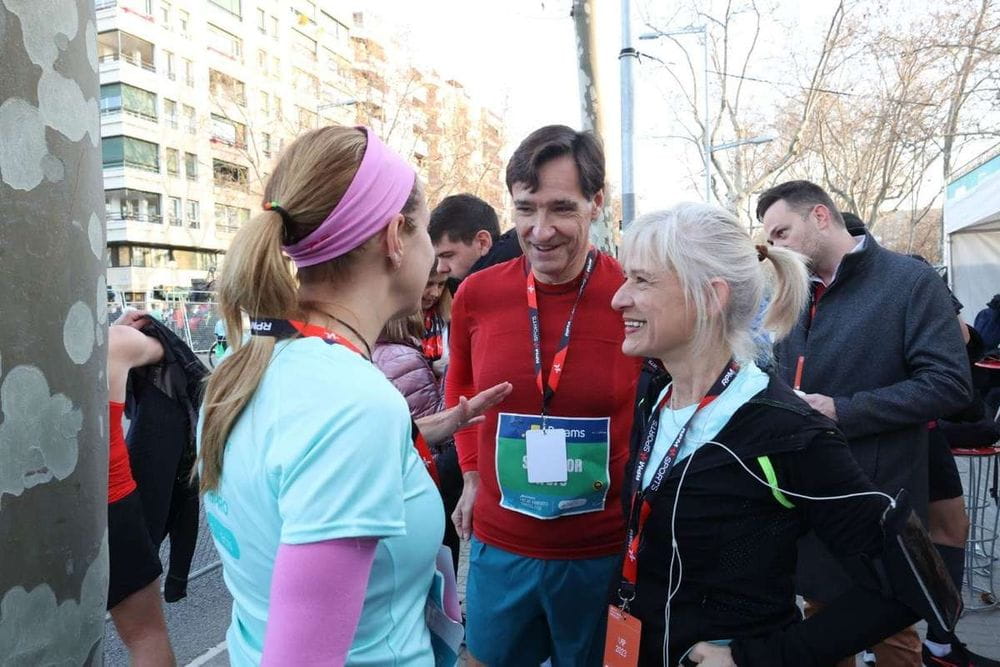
(675, 554)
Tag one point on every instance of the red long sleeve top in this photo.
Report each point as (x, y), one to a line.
(120, 481)
(490, 343)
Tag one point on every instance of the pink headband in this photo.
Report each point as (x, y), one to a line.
(379, 190)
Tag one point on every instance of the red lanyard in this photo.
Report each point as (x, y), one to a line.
(433, 340)
(641, 507)
(277, 328)
(818, 290)
(817, 293)
(548, 389)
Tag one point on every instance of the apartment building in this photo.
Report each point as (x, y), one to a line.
(199, 97)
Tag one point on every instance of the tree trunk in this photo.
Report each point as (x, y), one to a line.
(585, 23)
(53, 386)
(584, 20)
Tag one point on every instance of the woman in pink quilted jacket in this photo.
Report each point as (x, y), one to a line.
(399, 355)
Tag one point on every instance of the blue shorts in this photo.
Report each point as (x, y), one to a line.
(520, 610)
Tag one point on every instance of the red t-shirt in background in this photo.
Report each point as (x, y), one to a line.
(120, 482)
(490, 342)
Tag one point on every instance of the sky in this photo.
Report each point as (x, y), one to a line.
(519, 58)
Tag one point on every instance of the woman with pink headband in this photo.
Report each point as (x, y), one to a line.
(319, 490)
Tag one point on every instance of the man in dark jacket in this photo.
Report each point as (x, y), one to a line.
(877, 351)
(988, 323)
(466, 236)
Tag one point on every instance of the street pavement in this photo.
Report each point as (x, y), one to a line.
(198, 622)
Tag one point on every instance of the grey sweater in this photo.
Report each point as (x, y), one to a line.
(886, 345)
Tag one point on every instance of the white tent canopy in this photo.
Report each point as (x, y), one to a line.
(972, 229)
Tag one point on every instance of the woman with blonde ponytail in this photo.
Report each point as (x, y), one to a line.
(727, 464)
(318, 488)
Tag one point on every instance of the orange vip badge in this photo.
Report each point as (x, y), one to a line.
(621, 645)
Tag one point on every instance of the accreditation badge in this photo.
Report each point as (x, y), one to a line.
(580, 444)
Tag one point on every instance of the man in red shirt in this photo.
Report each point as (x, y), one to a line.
(543, 473)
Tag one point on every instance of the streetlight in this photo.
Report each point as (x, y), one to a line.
(625, 58)
(762, 139)
(332, 105)
(706, 147)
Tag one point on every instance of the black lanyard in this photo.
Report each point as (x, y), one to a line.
(548, 389)
(641, 507)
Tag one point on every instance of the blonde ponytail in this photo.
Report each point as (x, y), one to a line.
(790, 290)
(257, 280)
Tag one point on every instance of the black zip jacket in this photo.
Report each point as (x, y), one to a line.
(737, 542)
(162, 403)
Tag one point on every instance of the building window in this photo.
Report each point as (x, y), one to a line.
(183, 20)
(226, 88)
(228, 132)
(265, 140)
(307, 119)
(193, 214)
(305, 82)
(333, 28)
(225, 43)
(230, 218)
(276, 70)
(303, 45)
(120, 255)
(174, 212)
(189, 73)
(278, 113)
(168, 61)
(170, 112)
(130, 152)
(165, 13)
(116, 45)
(308, 10)
(191, 119)
(261, 21)
(173, 161)
(151, 258)
(231, 6)
(262, 62)
(135, 205)
(230, 174)
(191, 166)
(274, 28)
(265, 103)
(116, 97)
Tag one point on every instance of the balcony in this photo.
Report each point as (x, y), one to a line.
(115, 46)
(130, 59)
(149, 218)
(107, 113)
(131, 164)
(220, 141)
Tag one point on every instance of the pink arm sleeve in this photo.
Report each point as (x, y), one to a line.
(317, 591)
